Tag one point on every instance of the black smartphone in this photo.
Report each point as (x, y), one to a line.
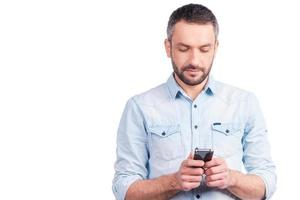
(203, 154)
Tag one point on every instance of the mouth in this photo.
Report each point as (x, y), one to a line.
(192, 71)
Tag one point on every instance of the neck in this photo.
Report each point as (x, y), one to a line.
(191, 91)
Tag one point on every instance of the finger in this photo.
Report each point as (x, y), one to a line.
(218, 183)
(188, 178)
(187, 186)
(192, 171)
(216, 177)
(191, 155)
(216, 170)
(214, 162)
(194, 163)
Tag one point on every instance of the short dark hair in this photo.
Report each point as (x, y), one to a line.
(192, 13)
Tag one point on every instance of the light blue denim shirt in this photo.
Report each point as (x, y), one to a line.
(160, 127)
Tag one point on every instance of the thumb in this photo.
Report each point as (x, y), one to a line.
(191, 155)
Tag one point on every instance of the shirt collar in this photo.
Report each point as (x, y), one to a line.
(175, 89)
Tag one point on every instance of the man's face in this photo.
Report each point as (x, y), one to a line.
(192, 49)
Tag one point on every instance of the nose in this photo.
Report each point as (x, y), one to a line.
(195, 58)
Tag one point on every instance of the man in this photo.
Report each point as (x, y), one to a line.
(160, 128)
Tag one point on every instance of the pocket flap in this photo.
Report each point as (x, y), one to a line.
(164, 131)
(226, 128)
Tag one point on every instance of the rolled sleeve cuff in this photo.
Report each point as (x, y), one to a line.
(269, 180)
(121, 186)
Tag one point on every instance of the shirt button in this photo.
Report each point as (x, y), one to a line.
(195, 106)
(163, 133)
(227, 131)
(198, 196)
(196, 126)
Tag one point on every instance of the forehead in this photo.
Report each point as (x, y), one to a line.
(193, 34)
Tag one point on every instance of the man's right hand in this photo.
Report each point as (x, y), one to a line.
(190, 173)
(188, 177)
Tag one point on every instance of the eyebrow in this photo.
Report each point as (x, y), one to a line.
(185, 45)
(182, 44)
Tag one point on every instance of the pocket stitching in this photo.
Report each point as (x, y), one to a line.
(234, 128)
(227, 129)
(170, 130)
(164, 131)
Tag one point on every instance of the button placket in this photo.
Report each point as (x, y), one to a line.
(195, 125)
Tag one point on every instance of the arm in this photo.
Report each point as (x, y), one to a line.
(260, 180)
(244, 186)
(161, 188)
(132, 150)
(131, 170)
(187, 178)
(257, 156)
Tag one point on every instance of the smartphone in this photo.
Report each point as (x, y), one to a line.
(203, 154)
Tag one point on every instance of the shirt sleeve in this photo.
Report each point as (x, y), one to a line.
(257, 158)
(132, 151)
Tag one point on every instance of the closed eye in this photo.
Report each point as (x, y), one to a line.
(183, 49)
(205, 49)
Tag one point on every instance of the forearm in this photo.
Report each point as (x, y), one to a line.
(161, 188)
(247, 186)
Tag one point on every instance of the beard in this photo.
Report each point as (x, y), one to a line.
(186, 79)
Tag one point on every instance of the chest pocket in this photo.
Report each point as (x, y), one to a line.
(166, 142)
(227, 138)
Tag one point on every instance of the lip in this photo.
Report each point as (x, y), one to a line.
(192, 70)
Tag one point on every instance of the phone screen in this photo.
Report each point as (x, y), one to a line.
(203, 154)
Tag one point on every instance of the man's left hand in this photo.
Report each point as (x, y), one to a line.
(218, 174)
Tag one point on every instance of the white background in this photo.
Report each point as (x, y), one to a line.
(67, 69)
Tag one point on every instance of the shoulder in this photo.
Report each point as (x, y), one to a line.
(154, 96)
(232, 94)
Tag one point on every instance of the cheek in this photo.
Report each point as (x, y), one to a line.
(209, 57)
(207, 60)
(180, 59)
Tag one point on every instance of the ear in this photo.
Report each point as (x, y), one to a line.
(216, 46)
(168, 47)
